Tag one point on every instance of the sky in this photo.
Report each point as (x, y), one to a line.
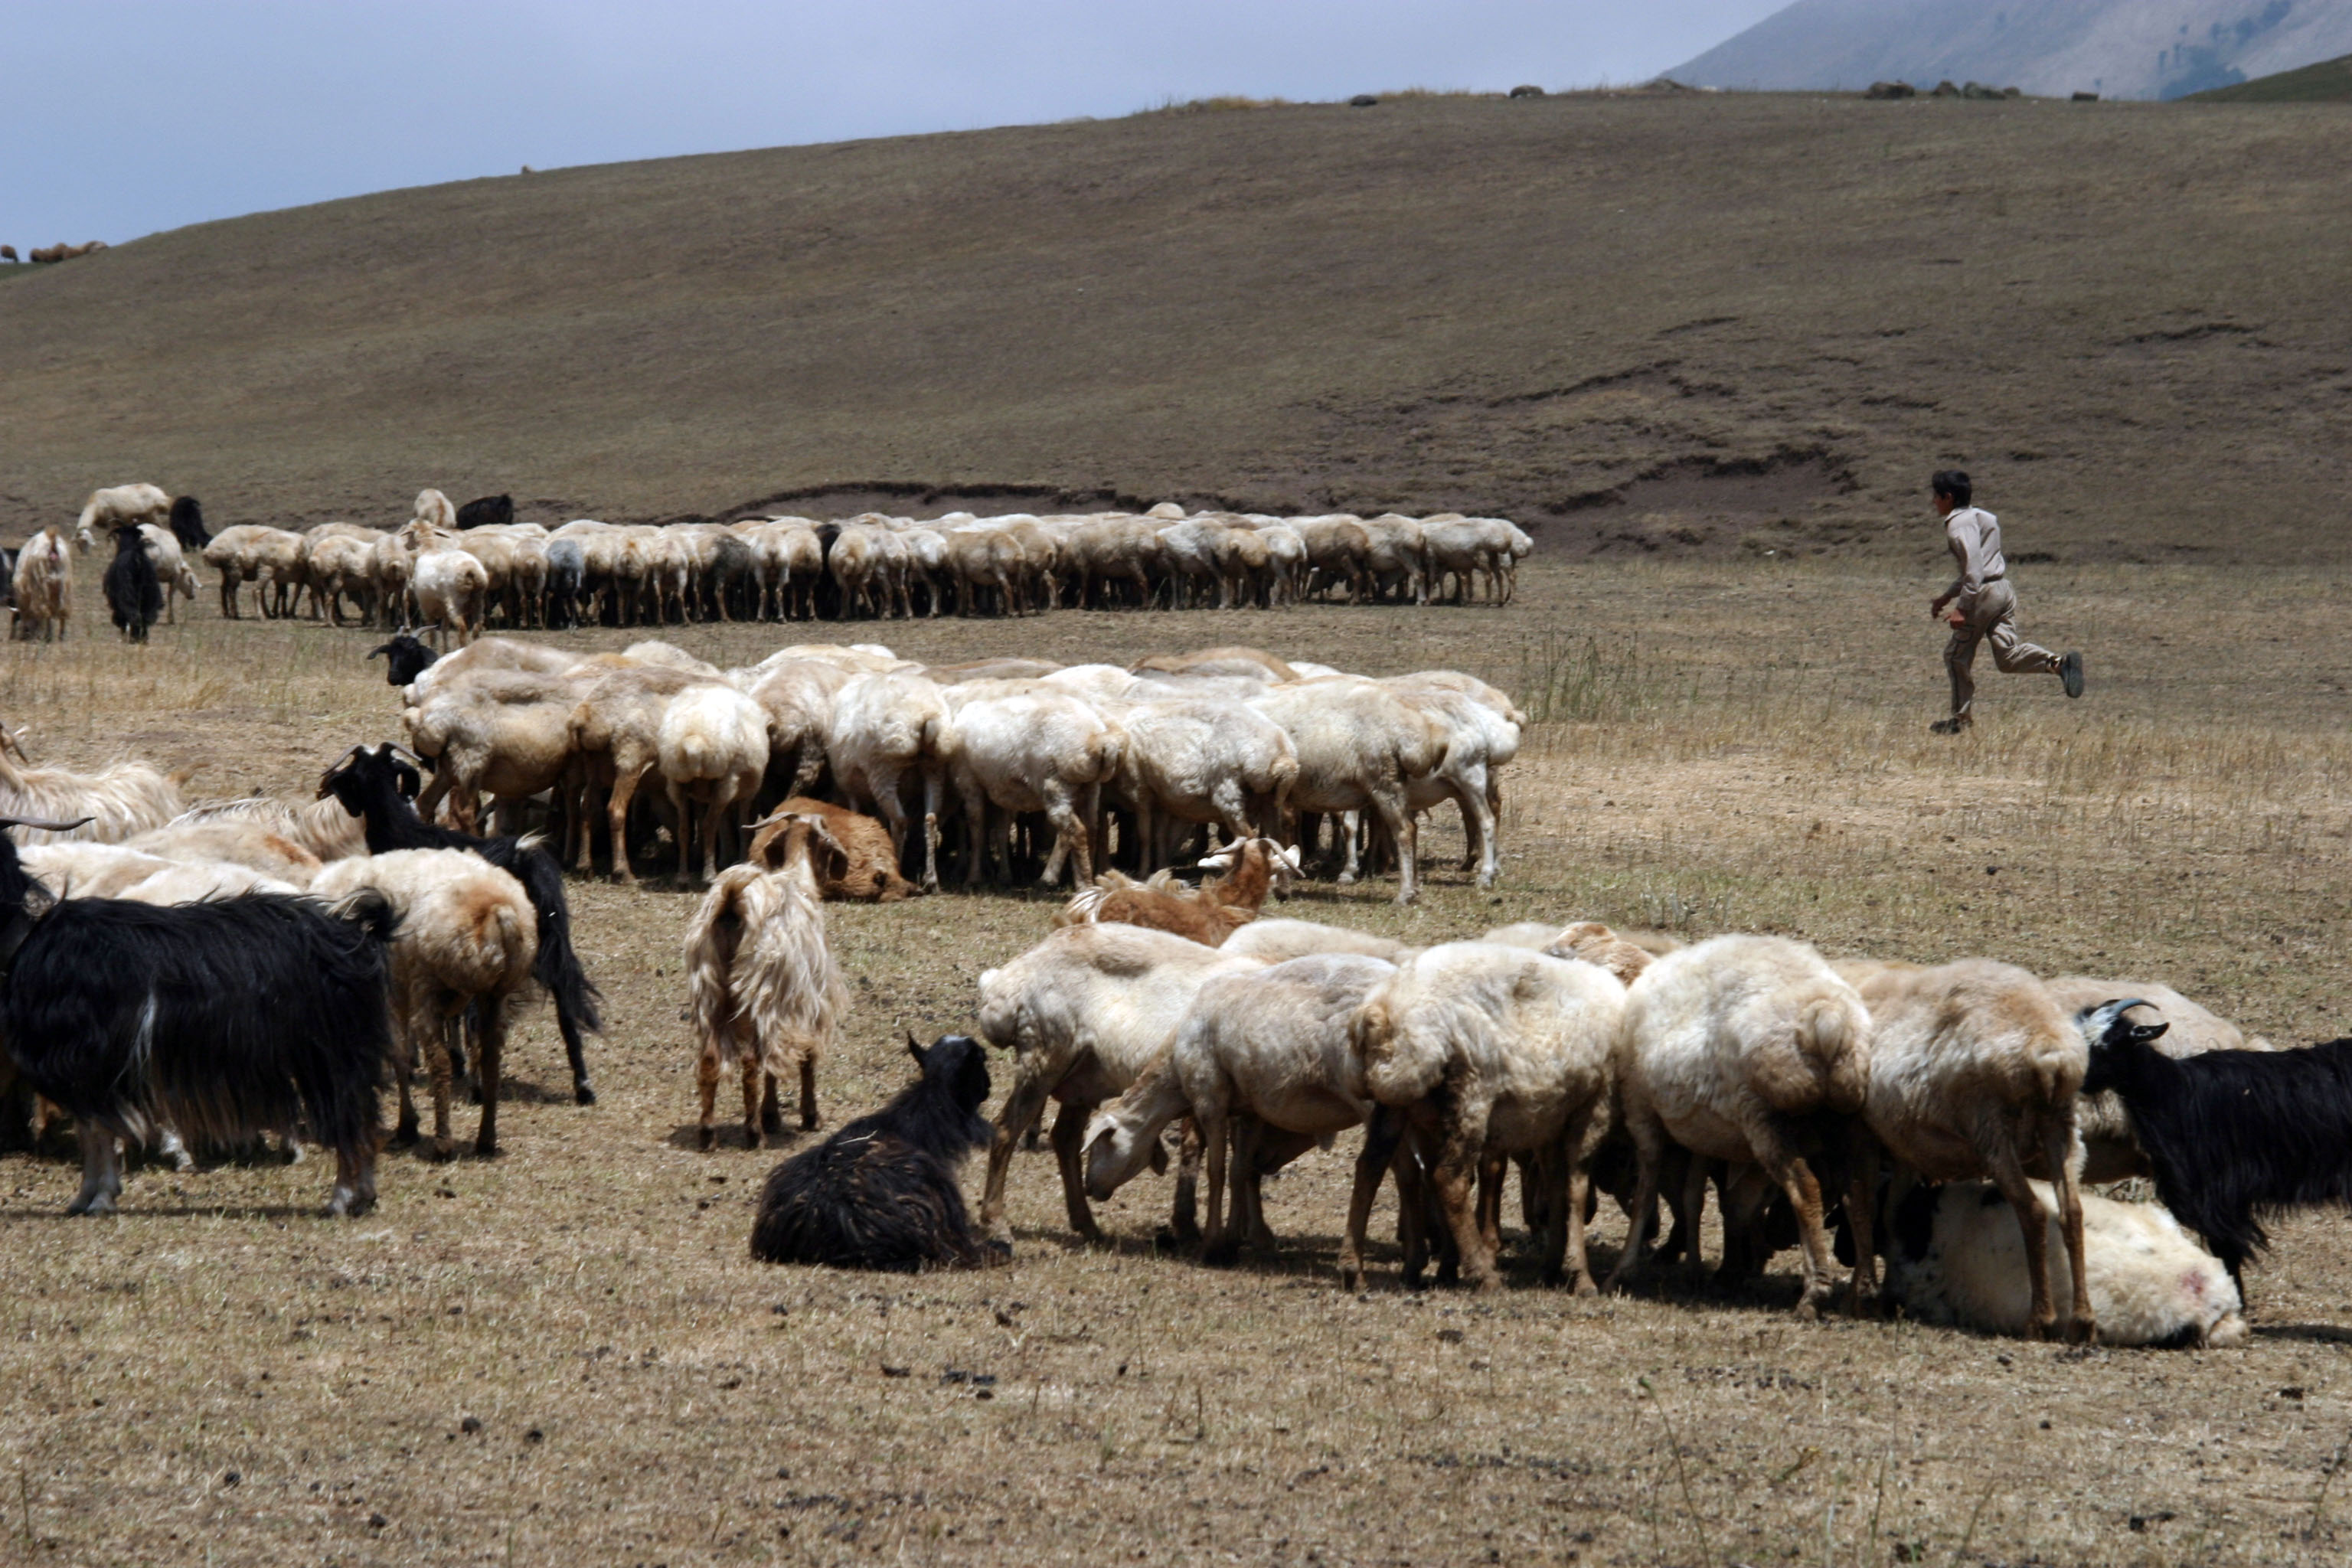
(121, 118)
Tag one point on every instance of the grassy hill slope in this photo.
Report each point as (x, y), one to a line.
(1674, 322)
(2329, 82)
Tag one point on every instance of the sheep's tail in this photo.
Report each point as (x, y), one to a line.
(1829, 1037)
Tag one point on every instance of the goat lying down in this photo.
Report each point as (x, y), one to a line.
(1954, 1255)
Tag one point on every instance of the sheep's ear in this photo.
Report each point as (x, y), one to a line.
(2109, 1023)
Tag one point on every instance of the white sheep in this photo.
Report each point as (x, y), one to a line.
(230, 841)
(1217, 763)
(1030, 751)
(171, 568)
(1954, 1255)
(1084, 1013)
(433, 511)
(43, 587)
(452, 591)
(1269, 1048)
(462, 953)
(1277, 942)
(887, 730)
(762, 984)
(1974, 1072)
(712, 752)
(1490, 1051)
(321, 827)
(1751, 1050)
(111, 507)
(1359, 746)
(121, 800)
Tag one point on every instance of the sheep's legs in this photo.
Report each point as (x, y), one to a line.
(1069, 1136)
(1649, 1140)
(437, 1054)
(617, 820)
(101, 1170)
(1406, 829)
(1862, 1199)
(2033, 1224)
(2061, 1149)
(489, 1053)
(354, 1192)
(808, 1094)
(1184, 1209)
(706, 1078)
(1382, 1134)
(1219, 1242)
(754, 1078)
(1019, 1114)
(1795, 1177)
(1454, 1174)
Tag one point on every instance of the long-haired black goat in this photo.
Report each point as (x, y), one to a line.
(221, 1019)
(378, 787)
(882, 1192)
(134, 594)
(2232, 1136)
(188, 523)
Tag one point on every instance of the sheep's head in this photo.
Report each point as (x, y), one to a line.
(404, 659)
(2114, 1040)
(956, 1063)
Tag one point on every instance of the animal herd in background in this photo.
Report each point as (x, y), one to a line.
(460, 569)
(1941, 1119)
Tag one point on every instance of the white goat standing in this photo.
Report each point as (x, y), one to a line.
(762, 984)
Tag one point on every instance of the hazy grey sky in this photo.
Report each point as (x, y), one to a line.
(119, 118)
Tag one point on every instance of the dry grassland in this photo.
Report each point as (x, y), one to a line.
(218, 1375)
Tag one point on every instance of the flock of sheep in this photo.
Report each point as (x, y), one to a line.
(1943, 1118)
(457, 570)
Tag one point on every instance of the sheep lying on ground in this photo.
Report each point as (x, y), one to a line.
(1262, 1056)
(1084, 1013)
(256, 846)
(882, 1192)
(1491, 1050)
(1208, 916)
(866, 869)
(762, 986)
(122, 800)
(1747, 1049)
(463, 953)
(1954, 1255)
(1275, 940)
(1974, 1072)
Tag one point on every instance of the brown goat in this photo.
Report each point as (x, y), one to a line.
(1208, 916)
(866, 869)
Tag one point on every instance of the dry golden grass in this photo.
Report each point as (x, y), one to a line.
(218, 1375)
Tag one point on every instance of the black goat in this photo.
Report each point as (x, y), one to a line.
(487, 511)
(134, 594)
(404, 659)
(377, 786)
(220, 1019)
(2232, 1136)
(882, 1192)
(188, 523)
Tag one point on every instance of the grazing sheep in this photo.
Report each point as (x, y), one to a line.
(177, 578)
(506, 734)
(272, 559)
(1257, 867)
(188, 523)
(712, 750)
(452, 591)
(111, 806)
(868, 870)
(2109, 1151)
(882, 1192)
(1747, 1049)
(1037, 750)
(1278, 941)
(1974, 1072)
(42, 586)
(1216, 763)
(119, 505)
(220, 1019)
(485, 512)
(369, 791)
(1359, 747)
(463, 951)
(1488, 1051)
(433, 511)
(1268, 1047)
(2233, 1137)
(134, 596)
(1084, 1013)
(761, 984)
(1954, 1255)
(885, 731)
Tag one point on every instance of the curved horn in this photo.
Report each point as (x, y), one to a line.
(327, 779)
(36, 823)
(2098, 1024)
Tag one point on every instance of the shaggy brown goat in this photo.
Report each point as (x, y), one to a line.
(1209, 916)
(866, 871)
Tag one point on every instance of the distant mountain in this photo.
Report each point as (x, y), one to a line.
(2117, 48)
(2329, 82)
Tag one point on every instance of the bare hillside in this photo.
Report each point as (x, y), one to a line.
(1674, 322)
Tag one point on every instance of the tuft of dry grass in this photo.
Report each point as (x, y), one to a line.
(568, 1352)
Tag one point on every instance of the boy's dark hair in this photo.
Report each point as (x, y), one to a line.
(1951, 483)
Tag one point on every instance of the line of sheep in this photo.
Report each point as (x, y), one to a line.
(1065, 770)
(1943, 1118)
(457, 570)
